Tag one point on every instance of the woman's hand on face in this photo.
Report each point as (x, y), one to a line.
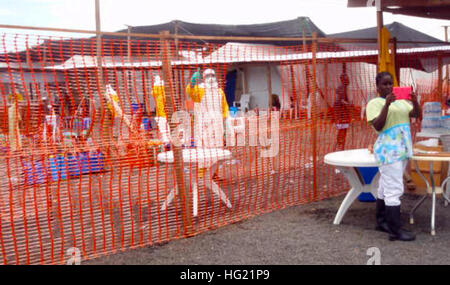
(390, 98)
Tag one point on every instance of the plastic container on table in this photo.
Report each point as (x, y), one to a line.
(61, 167)
(147, 124)
(58, 167)
(432, 107)
(85, 163)
(234, 111)
(35, 172)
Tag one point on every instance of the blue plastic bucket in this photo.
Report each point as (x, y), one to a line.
(87, 123)
(73, 165)
(147, 124)
(234, 111)
(92, 162)
(58, 169)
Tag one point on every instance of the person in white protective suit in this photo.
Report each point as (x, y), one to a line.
(210, 109)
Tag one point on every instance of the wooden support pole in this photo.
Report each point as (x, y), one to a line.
(269, 85)
(307, 73)
(128, 73)
(379, 28)
(169, 87)
(44, 56)
(129, 42)
(245, 80)
(447, 83)
(107, 128)
(294, 93)
(177, 41)
(396, 62)
(314, 113)
(440, 98)
(99, 40)
(325, 71)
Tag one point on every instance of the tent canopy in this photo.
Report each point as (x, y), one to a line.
(422, 43)
(401, 32)
(301, 26)
(61, 49)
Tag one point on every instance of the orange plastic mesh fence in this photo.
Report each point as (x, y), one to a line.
(86, 163)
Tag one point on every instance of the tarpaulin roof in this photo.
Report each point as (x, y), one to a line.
(299, 27)
(62, 49)
(397, 30)
(407, 38)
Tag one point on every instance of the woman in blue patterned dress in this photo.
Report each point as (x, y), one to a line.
(393, 148)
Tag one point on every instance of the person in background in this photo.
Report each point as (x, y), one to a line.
(51, 122)
(276, 105)
(161, 117)
(14, 118)
(393, 148)
(447, 103)
(342, 112)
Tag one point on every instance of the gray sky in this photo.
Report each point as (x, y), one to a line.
(331, 16)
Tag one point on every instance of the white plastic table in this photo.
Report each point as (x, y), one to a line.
(209, 158)
(430, 159)
(347, 162)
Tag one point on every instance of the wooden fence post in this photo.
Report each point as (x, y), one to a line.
(440, 98)
(314, 111)
(183, 193)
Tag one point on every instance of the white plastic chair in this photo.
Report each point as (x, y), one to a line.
(244, 102)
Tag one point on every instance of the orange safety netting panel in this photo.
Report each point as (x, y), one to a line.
(87, 160)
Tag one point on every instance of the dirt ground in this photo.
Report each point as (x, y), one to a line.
(304, 235)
